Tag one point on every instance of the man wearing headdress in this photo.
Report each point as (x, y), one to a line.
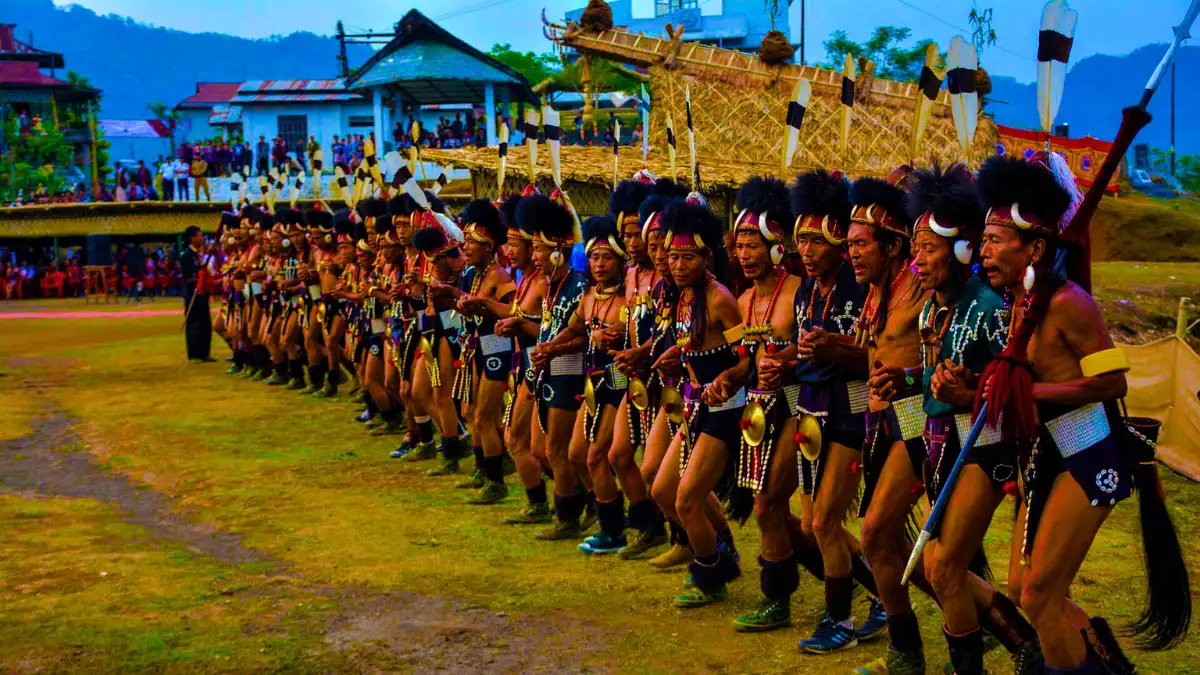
(963, 327)
(647, 330)
(1053, 393)
(297, 253)
(485, 294)
(766, 471)
(559, 369)
(522, 325)
(440, 273)
(590, 329)
(894, 453)
(708, 332)
(405, 307)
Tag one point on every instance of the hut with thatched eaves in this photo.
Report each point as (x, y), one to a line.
(739, 109)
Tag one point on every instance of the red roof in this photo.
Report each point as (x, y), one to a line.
(208, 93)
(26, 73)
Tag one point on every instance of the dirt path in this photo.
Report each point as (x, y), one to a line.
(369, 631)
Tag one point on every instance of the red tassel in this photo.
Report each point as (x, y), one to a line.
(1010, 488)
(744, 423)
(770, 348)
(741, 351)
(578, 397)
(457, 364)
(916, 488)
(800, 438)
(854, 466)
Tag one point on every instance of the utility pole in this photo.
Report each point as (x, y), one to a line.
(342, 62)
(1172, 119)
(803, 16)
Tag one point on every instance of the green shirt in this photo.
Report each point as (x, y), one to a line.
(977, 332)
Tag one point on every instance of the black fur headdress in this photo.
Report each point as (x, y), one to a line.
(484, 215)
(821, 193)
(662, 193)
(877, 202)
(626, 199)
(540, 215)
(599, 229)
(318, 218)
(371, 207)
(767, 195)
(431, 240)
(1004, 181)
(950, 195)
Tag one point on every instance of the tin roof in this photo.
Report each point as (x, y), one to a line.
(293, 91)
(208, 93)
(428, 65)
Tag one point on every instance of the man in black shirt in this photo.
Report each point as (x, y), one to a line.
(197, 321)
(263, 155)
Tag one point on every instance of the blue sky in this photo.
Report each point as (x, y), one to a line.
(1105, 26)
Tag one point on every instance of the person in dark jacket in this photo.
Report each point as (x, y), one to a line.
(197, 322)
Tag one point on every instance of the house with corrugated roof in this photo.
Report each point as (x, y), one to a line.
(291, 109)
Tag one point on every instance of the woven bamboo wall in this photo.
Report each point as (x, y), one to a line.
(744, 122)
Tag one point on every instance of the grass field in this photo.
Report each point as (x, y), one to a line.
(160, 517)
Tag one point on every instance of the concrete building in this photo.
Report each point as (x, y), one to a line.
(740, 25)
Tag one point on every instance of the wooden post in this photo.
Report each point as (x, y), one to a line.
(489, 109)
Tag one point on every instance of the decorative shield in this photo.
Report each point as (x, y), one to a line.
(639, 396)
(808, 437)
(754, 424)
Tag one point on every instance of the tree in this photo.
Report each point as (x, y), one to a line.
(982, 33)
(79, 117)
(1187, 172)
(533, 67)
(892, 61)
(168, 116)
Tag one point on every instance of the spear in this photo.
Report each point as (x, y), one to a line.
(502, 154)
(671, 144)
(687, 107)
(616, 150)
(644, 104)
(797, 106)
(531, 132)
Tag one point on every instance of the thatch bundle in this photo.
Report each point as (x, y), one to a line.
(775, 49)
(983, 82)
(597, 17)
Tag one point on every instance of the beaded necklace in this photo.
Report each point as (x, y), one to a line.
(826, 303)
(522, 291)
(607, 296)
(548, 308)
(683, 314)
(760, 329)
(865, 333)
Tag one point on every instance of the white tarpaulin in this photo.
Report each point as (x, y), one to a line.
(1163, 383)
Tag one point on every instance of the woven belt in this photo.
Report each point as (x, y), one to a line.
(1079, 429)
(494, 344)
(910, 414)
(570, 364)
(857, 393)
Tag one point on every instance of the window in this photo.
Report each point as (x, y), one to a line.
(293, 129)
(362, 121)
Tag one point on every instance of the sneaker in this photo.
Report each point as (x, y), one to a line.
(560, 530)
(534, 514)
(309, 390)
(365, 417)
(895, 663)
(327, 391)
(262, 375)
(490, 493)
(695, 597)
(589, 518)
(448, 467)
(422, 452)
(602, 543)
(475, 482)
(387, 428)
(371, 421)
(402, 451)
(875, 625)
(642, 542)
(233, 370)
(674, 556)
(829, 637)
(276, 381)
(770, 615)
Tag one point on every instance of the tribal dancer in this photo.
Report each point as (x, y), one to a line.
(652, 341)
(590, 330)
(298, 253)
(1054, 391)
(260, 358)
(380, 277)
(230, 245)
(831, 372)
(440, 271)
(485, 295)
(767, 470)
(894, 453)
(635, 415)
(963, 327)
(558, 378)
(272, 330)
(521, 324)
(708, 332)
(406, 305)
(320, 280)
(332, 310)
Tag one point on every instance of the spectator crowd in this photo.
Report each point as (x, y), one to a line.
(35, 273)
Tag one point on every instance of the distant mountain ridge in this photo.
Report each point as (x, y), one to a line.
(137, 64)
(1098, 87)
